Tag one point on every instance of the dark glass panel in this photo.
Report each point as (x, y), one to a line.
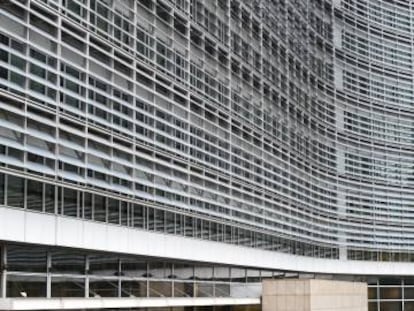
(103, 288)
(113, 211)
(68, 287)
(134, 288)
(26, 286)
(2, 190)
(160, 289)
(87, 205)
(99, 212)
(372, 293)
(124, 213)
(390, 293)
(69, 262)
(138, 214)
(15, 191)
(390, 306)
(408, 292)
(103, 265)
(373, 306)
(133, 267)
(183, 289)
(34, 195)
(26, 258)
(50, 198)
(70, 202)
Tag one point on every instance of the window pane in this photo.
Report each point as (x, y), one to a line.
(15, 191)
(34, 195)
(160, 289)
(26, 258)
(103, 265)
(50, 198)
(113, 211)
(103, 288)
(68, 262)
(2, 188)
(70, 202)
(68, 287)
(26, 286)
(133, 267)
(87, 205)
(99, 208)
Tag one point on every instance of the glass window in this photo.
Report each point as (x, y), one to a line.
(132, 267)
(2, 184)
(70, 202)
(103, 265)
(160, 270)
(113, 211)
(87, 205)
(50, 198)
(138, 216)
(390, 292)
(26, 258)
(160, 289)
(68, 287)
(34, 195)
(69, 262)
(134, 288)
(15, 191)
(103, 288)
(203, 273)
(99, 212)
(26, 286)
(124, 213)
(204, 289)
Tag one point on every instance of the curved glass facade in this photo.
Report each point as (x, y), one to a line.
(281, 125)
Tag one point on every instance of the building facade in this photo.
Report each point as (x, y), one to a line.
(155, 148)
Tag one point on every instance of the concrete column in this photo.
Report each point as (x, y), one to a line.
(314, 295)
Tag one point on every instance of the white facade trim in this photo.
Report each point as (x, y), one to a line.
(46, 229)
(105, 303)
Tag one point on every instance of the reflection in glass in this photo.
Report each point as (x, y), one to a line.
(68, 262)
(2, 185)
(203, 273)
(15, 191)
(99, 208)
(132, 267)
(103, 265)
(183, 271)
(49, 198)
(70, 202)
(34, 195)
(25, 258)
(159, 269)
